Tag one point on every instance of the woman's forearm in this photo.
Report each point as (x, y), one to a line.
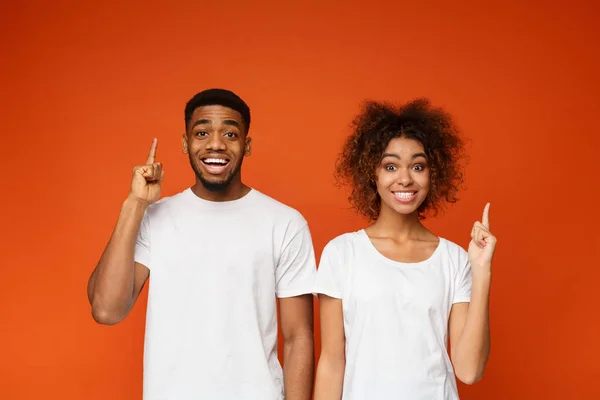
(330, 378)
(473, 347)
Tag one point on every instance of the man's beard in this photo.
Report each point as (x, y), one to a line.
(218, 186)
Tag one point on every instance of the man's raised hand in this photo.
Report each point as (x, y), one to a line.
(146, 181)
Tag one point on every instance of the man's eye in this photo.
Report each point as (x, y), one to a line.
(201, 133)
(231, 134)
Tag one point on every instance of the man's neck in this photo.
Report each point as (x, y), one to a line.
(234, 191)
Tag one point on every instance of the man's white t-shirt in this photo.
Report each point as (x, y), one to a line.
(216, 269)
(395, 317)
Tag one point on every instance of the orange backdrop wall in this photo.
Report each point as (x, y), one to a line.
(87, 85)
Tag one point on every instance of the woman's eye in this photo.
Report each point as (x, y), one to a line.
(390, 167)
(419, 167)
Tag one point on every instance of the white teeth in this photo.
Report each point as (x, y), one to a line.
(215, 161)
(404, 195)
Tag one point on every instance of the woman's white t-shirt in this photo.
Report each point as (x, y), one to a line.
(395, 317)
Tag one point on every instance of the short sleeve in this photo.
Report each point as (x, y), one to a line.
(142, 243)
(295, 272)
(328, 280)
(462, 287)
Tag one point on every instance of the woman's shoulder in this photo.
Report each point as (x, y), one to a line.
(453, 251)
(451, 245)
(345, 240)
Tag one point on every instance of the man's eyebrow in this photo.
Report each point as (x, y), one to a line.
(232, 123)
(202, 122)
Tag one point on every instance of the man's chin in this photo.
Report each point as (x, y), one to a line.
(215, 185)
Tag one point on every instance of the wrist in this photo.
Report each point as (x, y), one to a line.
(135, 203)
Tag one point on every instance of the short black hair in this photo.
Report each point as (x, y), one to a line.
(218, 97)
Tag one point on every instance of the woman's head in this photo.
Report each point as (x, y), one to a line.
(407, 158)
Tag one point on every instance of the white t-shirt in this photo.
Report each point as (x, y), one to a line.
(216, 269)
(395, 317)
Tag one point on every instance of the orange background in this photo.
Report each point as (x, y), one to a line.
(86, 87)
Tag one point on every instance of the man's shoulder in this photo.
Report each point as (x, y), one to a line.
(277, 208)
(166, 203)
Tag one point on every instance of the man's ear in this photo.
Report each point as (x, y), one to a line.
(184, 143)
(248, 147)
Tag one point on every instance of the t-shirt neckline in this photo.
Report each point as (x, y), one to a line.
(367, 241)
(219, 204)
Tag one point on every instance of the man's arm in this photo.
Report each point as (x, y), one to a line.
(117, 280)
(294, 277)
(298, 357)
(332, 361)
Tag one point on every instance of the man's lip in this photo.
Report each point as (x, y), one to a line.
(215, 169)
(214, 157)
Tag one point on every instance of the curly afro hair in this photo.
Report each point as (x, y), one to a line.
(372, 130)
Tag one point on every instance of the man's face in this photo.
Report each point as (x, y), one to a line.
(216, 144)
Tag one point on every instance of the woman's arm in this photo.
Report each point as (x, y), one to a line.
(470, 334)
(332, 361)
(469, 322)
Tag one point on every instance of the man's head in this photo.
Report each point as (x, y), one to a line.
(217, 122)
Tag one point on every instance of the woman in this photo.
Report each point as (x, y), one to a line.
(391, 295)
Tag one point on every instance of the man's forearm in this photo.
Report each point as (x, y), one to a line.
(111, 285)
(298, 370)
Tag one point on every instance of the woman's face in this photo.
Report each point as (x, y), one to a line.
(403, 176)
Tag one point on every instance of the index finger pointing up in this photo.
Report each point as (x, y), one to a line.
(152, 153)
(485, 221)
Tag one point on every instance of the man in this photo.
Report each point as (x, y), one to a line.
(217, 255)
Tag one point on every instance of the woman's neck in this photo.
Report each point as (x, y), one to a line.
(401, 227)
